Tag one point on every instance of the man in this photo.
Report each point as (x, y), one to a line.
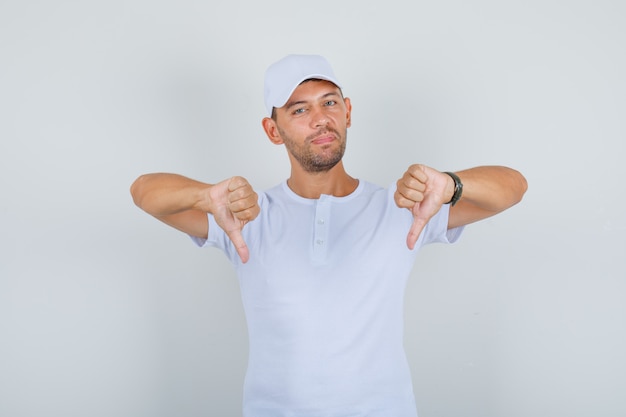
(323, 258)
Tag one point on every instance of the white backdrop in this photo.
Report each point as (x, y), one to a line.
(106, 312)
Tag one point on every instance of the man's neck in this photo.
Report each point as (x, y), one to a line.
(335, 182)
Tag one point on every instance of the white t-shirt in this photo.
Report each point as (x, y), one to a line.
(323, 295)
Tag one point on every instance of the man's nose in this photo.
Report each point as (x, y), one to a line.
(319, 118)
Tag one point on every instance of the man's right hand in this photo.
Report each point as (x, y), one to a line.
(182, 203)
(234, 203)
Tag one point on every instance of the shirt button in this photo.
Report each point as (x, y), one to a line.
(320, 221)
(320, 242)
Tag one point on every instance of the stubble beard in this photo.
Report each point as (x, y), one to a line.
(316, 162)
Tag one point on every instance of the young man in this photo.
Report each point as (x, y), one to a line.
(323, 258)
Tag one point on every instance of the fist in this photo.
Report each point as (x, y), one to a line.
(242, 199)
(423, 191)
(234, 203)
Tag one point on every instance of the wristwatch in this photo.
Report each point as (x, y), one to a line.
(458, 188)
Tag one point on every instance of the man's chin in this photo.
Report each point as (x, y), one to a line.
(322, 166)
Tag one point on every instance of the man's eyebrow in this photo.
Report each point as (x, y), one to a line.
(332, 93)
(298, 102)
(291, 104)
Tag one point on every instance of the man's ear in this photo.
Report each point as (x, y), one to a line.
(271, 130)
(349, 111)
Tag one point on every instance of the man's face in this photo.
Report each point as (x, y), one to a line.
(313, 125)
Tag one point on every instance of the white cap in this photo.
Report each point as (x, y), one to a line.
(282, 77)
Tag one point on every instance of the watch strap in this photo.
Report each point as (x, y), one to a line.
(458, 188)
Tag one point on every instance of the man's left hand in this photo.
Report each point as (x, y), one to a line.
(422, 190)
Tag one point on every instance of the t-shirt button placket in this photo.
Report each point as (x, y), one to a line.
(321, 229)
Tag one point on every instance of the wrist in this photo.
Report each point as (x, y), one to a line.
(458, 188)
(202, 198)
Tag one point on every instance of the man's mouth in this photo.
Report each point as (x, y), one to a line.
(323, 138)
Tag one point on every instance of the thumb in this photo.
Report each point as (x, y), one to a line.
(242, 249)
(416, 228)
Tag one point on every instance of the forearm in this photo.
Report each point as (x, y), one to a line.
(492, 188)
(165, 194)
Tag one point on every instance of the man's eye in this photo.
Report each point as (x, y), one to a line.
(298, 111)
(330, 103)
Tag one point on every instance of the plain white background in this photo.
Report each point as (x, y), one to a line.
(106, 312)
